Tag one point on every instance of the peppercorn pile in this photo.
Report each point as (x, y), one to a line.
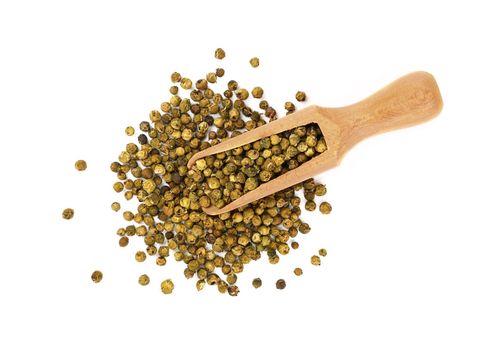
(169, 217)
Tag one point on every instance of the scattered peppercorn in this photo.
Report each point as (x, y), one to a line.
(257, 282)
(129, 131)
(123, 241)
(315, 260)
(280, 284)
(300, 96)
(115, 206)
(255, 62)
(97, 276)
(323, 252)
(144, 280)
(68, 213)
(219, 53)
(167, 286)
(140, 256)
(80, 165)
(257, 92)
(298, 271)
(325, 208)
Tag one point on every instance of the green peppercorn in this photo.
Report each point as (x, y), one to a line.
(219, 53)
(255, 62)
(220, 72)
(129, 131)
(325, 208)
(97, 276)
(144, 280)
(280, 284)
(289, 106)
(140, 256)
(123, 241)
(115, 206)
(257, 282)
(167, 286)
(211, 77)
(310, 205)
(186, 83)
(200, 284)
(300, 96)
(242, 94)
(80, 165)
(320, 190)
(323, 252)
(68, 213)
(315, 260)
(176, 77)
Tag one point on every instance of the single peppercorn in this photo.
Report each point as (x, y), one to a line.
(115, 206)
(219, 53)
(175, 77)
(315, 260)
(280, 284)
(140, 256)
(144, 280)
(129, 131)
(298, 271)
(257, 283)
(167, 286)
(123, 241)
(68, 213)
(289, 106)
(320, 190)
(323, 252)
(300, 96)
(80, 165)
(257, 92)
(255, 62)
(325, 208)
(310, 205)
(97, 276)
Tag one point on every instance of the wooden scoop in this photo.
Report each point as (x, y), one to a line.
(410, 100)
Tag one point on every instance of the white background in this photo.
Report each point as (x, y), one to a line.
(414, 242)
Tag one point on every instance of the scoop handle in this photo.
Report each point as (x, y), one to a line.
(409, 100)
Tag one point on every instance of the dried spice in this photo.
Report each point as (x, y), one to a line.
(325, 208)
(167, 286)
(257, 283)
(97, 276)
(315, 260)
(300, 96)
(323, 252)
(219, 53)
(115, 206)
(144, 280)
(280, 284)
(123, 241)
(80, 165)
(68, 213)
(298, 271)
(254, 62)
(140, 256)
(257, 92)
(129, 131)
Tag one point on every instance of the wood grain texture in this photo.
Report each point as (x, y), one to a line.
(410, 100)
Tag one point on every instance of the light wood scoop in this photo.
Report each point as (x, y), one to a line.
(410, 100)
